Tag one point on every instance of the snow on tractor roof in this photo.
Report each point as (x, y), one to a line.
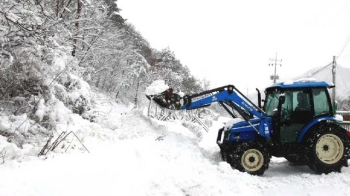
(302, 83)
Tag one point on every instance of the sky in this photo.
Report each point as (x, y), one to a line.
(231, 42)
(131, 154)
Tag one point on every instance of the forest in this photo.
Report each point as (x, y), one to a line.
(49, 49)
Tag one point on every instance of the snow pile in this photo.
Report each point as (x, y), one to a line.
(156, 87)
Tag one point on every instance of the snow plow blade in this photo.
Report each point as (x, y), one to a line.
(167, 99)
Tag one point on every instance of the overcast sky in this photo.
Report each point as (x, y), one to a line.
(231, 41)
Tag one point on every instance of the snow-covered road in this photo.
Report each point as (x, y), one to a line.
(134, 155)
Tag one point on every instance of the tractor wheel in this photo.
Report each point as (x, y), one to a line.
(297, 159)
(328, 147)
(225, 156)
(253, 158)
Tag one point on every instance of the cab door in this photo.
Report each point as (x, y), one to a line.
(293, 117)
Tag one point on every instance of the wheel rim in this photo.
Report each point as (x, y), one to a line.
(329, 148)
(252, 160)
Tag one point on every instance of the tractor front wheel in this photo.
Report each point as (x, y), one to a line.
(251, 157)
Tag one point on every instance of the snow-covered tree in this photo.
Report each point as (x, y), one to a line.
(52, 51)
(38, 74)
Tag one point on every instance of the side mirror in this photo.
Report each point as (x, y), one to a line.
(259, 98)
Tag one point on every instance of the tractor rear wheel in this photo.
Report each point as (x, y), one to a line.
(251, 157)
(327, 149)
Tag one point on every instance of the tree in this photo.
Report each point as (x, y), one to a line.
(113, 12)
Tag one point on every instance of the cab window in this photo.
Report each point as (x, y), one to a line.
(271, 103)
(321, 102)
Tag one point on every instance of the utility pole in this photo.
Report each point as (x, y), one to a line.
(334, 69)
(275, 62)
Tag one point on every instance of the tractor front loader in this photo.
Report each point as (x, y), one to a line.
(304, 133)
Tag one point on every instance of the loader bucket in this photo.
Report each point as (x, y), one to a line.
(167, 99)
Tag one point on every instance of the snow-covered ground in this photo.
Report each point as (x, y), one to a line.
(131, 154)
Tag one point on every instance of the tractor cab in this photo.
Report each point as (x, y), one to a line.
(294, 105)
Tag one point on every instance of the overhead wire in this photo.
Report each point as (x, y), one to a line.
(346, 43)
(328, 65)
(341, 51)
(340, 73)
(319, 70)
(324, 67)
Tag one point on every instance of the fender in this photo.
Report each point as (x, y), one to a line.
(311, 124)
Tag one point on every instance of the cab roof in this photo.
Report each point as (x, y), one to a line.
(301, 83)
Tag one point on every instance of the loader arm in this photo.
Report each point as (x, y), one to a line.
(228, 95)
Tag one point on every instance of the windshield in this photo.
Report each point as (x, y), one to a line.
(271, 102)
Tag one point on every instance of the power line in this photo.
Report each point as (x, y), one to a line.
(340, 73)
(321, 69)
(346, 43)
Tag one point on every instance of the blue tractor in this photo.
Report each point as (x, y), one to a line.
(296, 122)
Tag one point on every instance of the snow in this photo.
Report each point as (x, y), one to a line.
(338, 117)
(81, 88)
(156, 87)
(131, 154)
(59, 112)
(18, 123)
(306, 80)
(41, 110)
(181, 94)
(288, 82)
(4, 124)
(229, 123)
